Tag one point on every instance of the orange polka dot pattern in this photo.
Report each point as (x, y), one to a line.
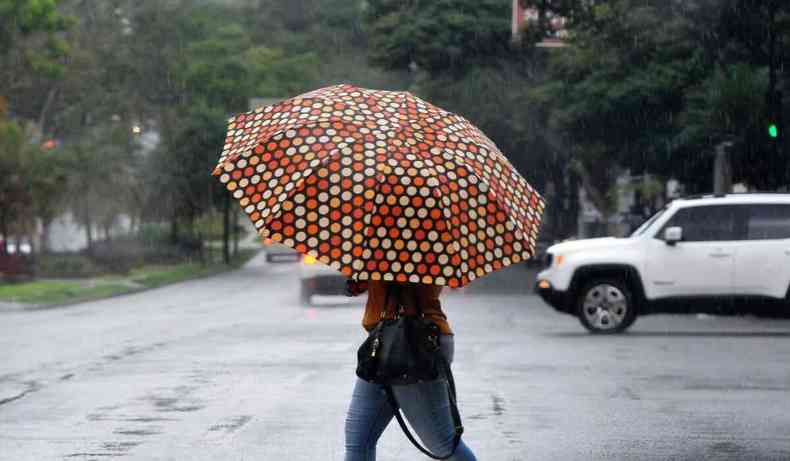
(380, 185)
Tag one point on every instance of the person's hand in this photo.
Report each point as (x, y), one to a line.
(354, 288)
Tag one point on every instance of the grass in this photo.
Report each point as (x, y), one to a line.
(58, 292)
(156, 276)
(44, 292)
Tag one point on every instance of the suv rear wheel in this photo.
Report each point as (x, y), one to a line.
(605, 306)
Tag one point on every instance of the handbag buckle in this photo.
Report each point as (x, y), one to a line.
(375, 347)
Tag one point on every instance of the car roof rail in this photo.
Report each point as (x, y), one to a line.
(695, 196)
(730, 194)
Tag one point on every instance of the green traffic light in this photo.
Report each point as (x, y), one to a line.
(773, 130)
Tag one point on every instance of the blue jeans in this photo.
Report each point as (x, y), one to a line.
(425, 405)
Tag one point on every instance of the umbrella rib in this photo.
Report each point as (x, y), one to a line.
(368, 226)
(322, 162)
(299, 186)
(481, 178)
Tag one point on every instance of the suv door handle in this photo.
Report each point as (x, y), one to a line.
(720, 255)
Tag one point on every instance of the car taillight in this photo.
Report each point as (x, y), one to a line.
(307, 259)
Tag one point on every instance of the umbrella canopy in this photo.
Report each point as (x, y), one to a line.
(380, 185)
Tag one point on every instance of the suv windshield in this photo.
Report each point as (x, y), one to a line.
(645, 225)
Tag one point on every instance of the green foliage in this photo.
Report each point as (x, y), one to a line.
(99, 179)
(25, 17)
(178, 174)
(30, 48)
(656, 85)
(14, 185)
(728, 104)
(33, 182)
(496, 100)
(48, 62)
(438, 35)
(58, 292)
(646, 85)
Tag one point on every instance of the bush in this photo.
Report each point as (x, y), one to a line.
(65, 265)
(118, 256)
(153, 234)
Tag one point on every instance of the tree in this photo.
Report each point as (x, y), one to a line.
(658, 84)
(99, 177)
(14, 190)
(463, 61)
(730, 106)
(48, 176)
(31, 55)
(441, 36)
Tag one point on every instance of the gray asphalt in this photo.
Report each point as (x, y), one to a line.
(233, 368)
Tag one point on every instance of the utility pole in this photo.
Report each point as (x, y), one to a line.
(775, 102)
(722, 171)
(775, 97)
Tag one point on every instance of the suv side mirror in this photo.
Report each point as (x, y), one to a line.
(673, 235)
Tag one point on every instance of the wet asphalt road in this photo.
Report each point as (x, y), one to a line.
(233, 368)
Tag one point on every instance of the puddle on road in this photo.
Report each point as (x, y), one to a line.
(135, 423)
(498, 405)
(230, 424)
(153, 430)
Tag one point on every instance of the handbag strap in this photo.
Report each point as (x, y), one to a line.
(459, 428)
(392, 289)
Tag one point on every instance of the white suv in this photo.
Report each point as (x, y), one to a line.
(716, 254)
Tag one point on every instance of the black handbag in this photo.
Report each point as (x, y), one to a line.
(406, 350)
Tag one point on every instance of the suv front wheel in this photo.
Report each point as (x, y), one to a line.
(605, 306)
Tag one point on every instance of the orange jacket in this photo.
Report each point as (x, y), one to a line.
(412, 297)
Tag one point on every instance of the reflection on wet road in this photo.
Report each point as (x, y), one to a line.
(232, 368)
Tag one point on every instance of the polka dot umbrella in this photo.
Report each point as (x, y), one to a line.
(380, 185)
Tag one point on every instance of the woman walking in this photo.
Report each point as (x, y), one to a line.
(426, 405)
(382, 185)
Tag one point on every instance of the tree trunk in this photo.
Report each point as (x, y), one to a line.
(42, 117)
(46, 224)
(596, 196)
(88, 234)
(174, 230)
(4, 230)
(722, 170)
(557, 172)
(107, 232)
(570, 213)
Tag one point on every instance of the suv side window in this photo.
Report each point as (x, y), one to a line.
(768, 222)
(708, 223)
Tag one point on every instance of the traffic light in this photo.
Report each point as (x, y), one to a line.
(774, 100)
(773, 130)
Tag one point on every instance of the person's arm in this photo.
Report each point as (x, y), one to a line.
(355, 288)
